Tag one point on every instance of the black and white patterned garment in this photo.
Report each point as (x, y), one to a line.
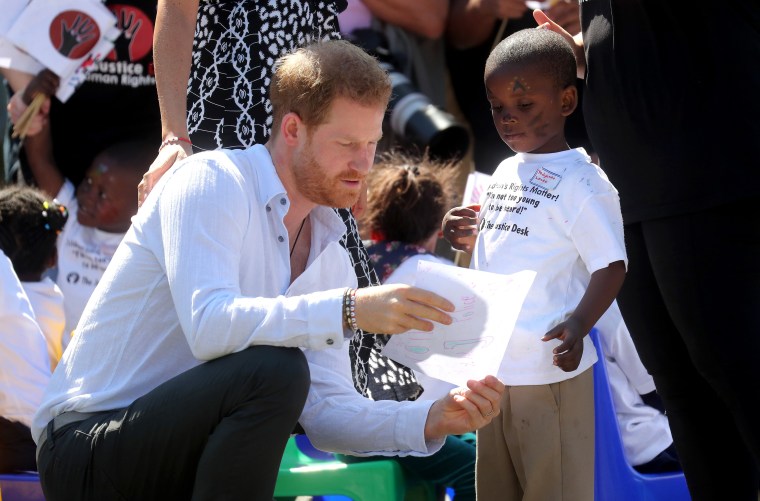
(236, 44)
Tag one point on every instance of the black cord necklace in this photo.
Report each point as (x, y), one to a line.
(297, 235)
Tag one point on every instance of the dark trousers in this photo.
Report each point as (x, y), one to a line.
(691, 300)
(16, 447)
(217, 431)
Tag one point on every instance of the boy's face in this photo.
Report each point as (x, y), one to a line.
(107, 197)
(529, 109)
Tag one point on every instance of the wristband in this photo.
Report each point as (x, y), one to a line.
(174, 140)
(349, 309)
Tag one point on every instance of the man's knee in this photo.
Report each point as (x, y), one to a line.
(281, 370)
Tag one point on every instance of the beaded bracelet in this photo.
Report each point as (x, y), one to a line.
(349, 308)
(174, 140)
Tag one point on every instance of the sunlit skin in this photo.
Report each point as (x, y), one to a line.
(529, 109)
(106, 197)
(332, 159)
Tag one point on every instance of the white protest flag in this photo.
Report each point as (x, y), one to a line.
(66, 36)
(10, 55)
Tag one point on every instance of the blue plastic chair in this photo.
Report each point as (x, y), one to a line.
(20, 487)
(614, 478)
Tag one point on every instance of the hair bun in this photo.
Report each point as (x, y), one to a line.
(55, 215)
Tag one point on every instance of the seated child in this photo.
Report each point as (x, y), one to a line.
(24, 371)
(101, 209)
(32, 224)
(644, 429)
(547, 209)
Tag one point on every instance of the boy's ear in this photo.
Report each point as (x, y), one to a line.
(569, 100)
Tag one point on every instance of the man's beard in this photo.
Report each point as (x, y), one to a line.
(314, 184)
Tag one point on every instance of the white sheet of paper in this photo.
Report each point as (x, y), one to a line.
(477, 183)
(473, 346)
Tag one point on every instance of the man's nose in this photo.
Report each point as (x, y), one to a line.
(364, 158)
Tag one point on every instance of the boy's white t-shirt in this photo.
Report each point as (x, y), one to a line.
(559, 215)
(46, 300)
(83, 254)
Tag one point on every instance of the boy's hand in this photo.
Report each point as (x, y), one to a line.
(17, 107)
(567, 356)
(45, 82)
(460, 227)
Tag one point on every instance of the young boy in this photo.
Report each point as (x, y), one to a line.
(100, 209)
(550, 210)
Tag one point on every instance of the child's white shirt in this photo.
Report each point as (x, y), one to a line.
(645, 431)
(24, 366)
(83, 254)
(559, 215)
(46, 300)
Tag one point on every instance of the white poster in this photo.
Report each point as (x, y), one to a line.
(477, 183)
(473, 346)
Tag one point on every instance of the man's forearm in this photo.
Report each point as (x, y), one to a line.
(172, 53)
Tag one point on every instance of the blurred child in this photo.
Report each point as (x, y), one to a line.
(406, 200)
(550, 210)
(101, 209)
(31, 225)
(24, 370)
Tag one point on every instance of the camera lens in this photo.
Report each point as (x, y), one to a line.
(420, 123)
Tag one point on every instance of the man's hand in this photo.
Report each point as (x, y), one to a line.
(168, 156)
(567, 356)
(464, 410)
(460, 227)
(397, 308)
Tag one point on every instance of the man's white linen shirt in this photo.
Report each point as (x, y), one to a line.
(204, 271)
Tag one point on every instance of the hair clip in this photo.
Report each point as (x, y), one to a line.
(412, 169)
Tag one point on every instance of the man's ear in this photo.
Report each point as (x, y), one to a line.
(292, 128)
(569, 100)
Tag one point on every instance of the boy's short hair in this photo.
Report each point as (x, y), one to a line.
(408, 196)
(308, 80)
(133, 156)
(542, 48)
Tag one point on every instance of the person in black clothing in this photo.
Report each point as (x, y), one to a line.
(661, 103)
